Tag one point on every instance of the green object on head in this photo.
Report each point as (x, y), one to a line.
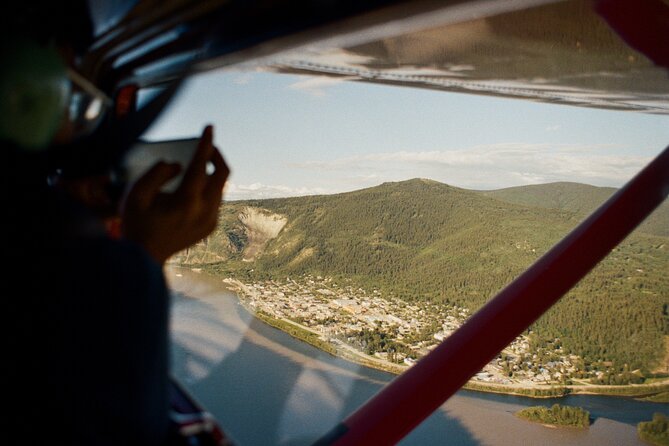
(34, 92)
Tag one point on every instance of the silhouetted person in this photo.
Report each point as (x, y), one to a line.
(86, 323)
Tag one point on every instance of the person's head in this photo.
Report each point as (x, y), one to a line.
(33, 93)
(46, 105)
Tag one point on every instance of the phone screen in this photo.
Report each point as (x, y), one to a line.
(145, 154)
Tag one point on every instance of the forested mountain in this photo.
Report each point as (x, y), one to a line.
(582, 199)
(421, 239)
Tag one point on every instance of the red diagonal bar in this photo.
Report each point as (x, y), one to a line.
(414, 395)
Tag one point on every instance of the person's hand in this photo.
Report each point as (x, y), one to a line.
(166, 223)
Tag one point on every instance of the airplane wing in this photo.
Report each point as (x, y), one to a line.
(543, 50)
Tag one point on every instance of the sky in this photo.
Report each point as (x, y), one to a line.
(287, 135)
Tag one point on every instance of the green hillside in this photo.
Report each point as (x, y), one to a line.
(582, 199)
(423, 240)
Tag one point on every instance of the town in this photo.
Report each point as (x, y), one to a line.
(393, 331)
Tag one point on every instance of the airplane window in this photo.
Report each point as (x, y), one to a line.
(363, 224)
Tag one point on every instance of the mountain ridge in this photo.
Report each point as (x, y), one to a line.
(582, 199)
(426, 240)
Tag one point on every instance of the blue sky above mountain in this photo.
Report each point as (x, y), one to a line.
(286, 135)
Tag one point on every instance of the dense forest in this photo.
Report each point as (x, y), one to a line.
(655, 432)
(556, 415)
(581, 199)
(423, 240)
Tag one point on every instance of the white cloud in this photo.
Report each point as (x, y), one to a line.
(316, 85)
(553, 128)
(259, 190)
(493, 166)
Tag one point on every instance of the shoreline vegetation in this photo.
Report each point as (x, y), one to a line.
(662, 397)
(655, 432)
(556, 416)
(337, 348)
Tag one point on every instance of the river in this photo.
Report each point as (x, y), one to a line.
(267, 388)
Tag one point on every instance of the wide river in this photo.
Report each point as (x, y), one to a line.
(267, 388)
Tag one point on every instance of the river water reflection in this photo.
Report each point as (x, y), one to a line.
(267, 388)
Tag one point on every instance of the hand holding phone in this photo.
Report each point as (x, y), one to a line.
(145, 154)
(166, 223)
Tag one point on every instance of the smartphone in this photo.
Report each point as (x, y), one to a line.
(145, 154)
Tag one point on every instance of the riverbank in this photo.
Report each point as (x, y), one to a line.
(338, 348)
(335, 348)
(267, 387)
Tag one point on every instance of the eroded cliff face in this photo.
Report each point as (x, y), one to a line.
(246, 235)
(261, 226)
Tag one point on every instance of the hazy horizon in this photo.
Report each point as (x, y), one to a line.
(286, 135)
(416, 178)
